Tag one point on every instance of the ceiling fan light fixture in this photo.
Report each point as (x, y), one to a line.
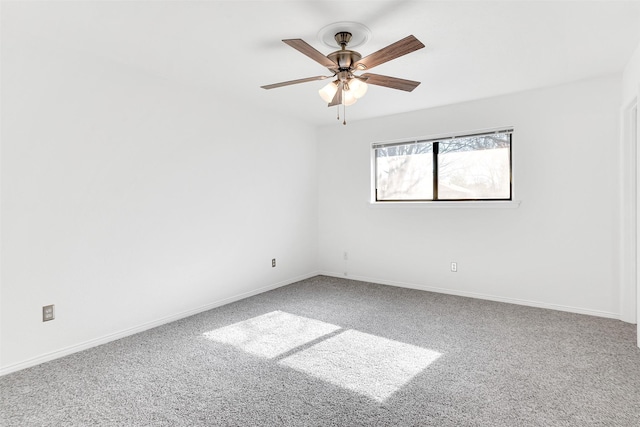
(328, 92)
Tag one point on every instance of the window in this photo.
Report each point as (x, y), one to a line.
(454, 168)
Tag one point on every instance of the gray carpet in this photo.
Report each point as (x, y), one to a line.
(334, 352)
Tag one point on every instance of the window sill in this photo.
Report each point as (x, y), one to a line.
(512, 204)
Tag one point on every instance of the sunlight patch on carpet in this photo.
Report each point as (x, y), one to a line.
(370, 365)
(271, 334)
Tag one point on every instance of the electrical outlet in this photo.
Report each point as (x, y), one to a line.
(454, 267)
(273, 262)
(48, 313)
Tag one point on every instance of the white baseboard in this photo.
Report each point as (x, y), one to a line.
(149, 325)
(143, 327)
(517, 301)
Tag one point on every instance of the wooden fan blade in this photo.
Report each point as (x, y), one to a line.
(392, 82)
(294, 82)
(402, 47)
(337, 98)
(304, 47)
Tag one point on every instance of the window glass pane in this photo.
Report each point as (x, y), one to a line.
(405, 172)
(476, 167)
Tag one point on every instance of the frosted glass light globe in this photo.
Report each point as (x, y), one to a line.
(328, 92)
(348, 98)
(358, 88)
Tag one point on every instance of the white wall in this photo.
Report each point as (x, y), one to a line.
(558, 249)
(631, 78)
(127, 201)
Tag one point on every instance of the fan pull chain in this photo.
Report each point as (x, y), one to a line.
(344, 114)
(338, 111)
(344, 107)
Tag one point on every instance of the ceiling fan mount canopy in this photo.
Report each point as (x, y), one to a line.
(343, 38)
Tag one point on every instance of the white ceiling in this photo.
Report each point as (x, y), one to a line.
(474, 49)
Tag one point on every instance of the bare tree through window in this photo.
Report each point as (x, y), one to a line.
(405, 172)
(476, 167)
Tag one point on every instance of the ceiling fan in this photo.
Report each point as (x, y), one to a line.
(347, 87)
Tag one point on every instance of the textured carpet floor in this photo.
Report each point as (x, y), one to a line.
(333, 352)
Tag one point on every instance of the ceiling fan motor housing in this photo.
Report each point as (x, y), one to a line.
(344, 58)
